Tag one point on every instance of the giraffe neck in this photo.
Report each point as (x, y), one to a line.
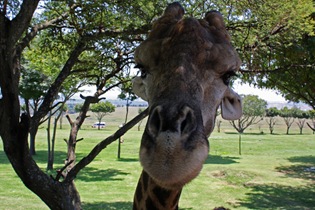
(150, 196)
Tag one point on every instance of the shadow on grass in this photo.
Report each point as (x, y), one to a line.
(245, 134)
(90, 174)
(303, 159)
(110, 206)
(128, 159)
(42, 155)
(216, 159)
(279, 197)
(303, 169)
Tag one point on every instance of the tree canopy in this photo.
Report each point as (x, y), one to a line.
(101, 109)
(279, 53)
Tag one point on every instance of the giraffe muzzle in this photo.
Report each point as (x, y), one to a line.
(173, 146)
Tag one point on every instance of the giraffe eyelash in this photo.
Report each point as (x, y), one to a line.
(142, 70)
(227, 77)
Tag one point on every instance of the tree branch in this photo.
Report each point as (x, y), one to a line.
(60, 171)
(20, 23)
(115, 33)
(276, 70)
(69, 119)
(313, 129)
(35, 29)
(103, 144)
(54, 88)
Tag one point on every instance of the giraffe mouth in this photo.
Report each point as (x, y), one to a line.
(173, 149)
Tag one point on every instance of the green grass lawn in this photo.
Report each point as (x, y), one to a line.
(272, 172)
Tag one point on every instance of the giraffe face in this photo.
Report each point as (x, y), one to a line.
(185, 69)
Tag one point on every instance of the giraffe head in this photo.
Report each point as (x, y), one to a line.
(185, 67)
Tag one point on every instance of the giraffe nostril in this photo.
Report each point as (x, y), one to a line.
(187, 121)
(183, 125)
(155, 121)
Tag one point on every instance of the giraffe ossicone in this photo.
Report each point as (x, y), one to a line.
(185, 65)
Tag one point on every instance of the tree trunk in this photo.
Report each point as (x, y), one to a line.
(71, 144)
(33, 132)
(49, 151)
(75, 126)
(53, 141)
(219, 125)
(119, 148)
(60, 121)
(271, 130)
(240, 143)
(127, 111)
(56, 195)
(139, 125)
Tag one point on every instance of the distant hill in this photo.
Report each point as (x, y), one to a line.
(280, 105)
(117, 102)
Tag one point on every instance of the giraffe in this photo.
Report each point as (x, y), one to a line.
(186, 65)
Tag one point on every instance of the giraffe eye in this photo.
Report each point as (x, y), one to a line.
(226, 78)
(142, 70)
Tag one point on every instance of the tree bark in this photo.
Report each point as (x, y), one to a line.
(33, 132)
(49, 150)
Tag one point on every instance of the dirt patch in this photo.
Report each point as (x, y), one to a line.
(219, 174)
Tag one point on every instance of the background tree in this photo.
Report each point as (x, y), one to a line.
(63, 111)
(127, 95)
(253, 111)
(33, 86)
(271, 114)
(218, 121)
(101, 109)
(288, 117)
(301, 116)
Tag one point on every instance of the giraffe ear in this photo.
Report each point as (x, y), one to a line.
(175, 10)
(214, 18)
(216, 21)
(231, 105)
